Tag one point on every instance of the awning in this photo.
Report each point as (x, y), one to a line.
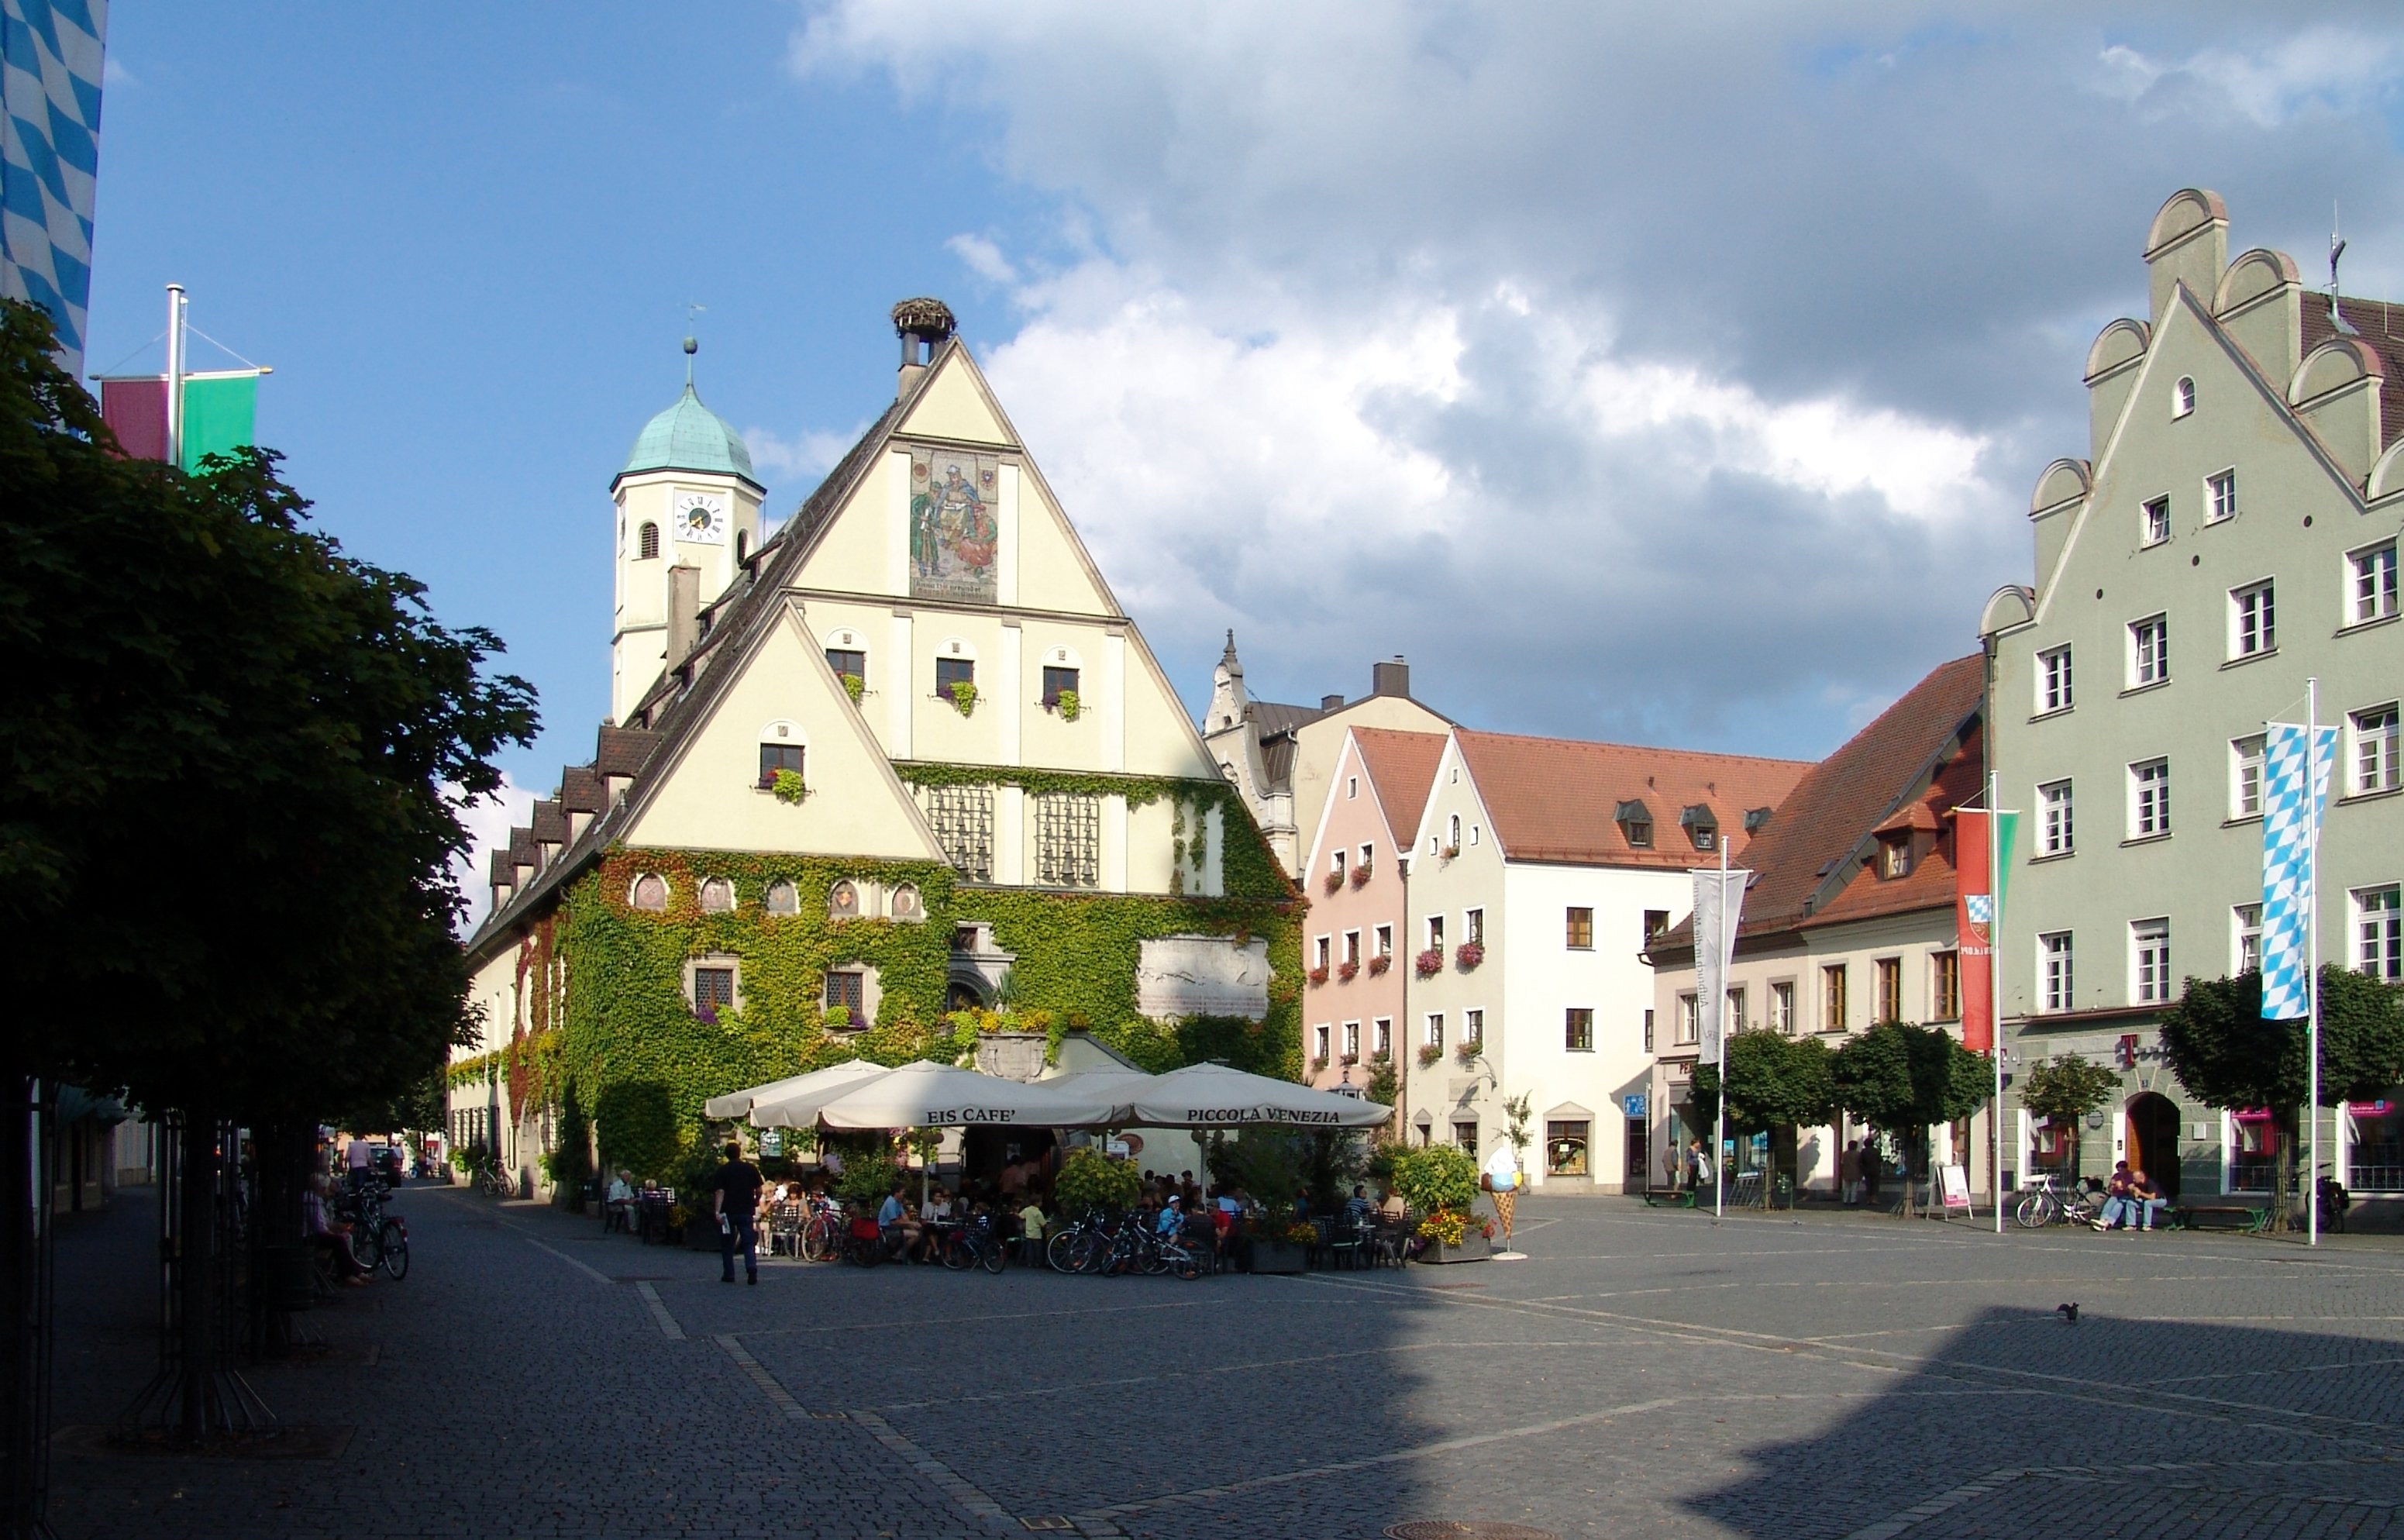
(74, 1104)
(797, 1105)
(740, 1104)
(939, 1096)
(1214, 1096)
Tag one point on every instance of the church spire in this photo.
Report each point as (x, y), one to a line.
(1228, 703)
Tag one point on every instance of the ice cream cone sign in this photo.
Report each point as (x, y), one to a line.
(1501, 1180)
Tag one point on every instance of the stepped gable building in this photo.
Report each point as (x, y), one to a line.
(1849, 919)
(899, 757)
(1540, 870)
(2229, 534)
(1356, 966)
(1280, 756)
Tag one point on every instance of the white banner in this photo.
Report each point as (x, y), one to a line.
(1719, 909)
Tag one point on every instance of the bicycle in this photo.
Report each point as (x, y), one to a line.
(975, 1245)
(392, 1244)
(2043, 1204)
(2333, 1200)
(822, 1234)
(493, 1182)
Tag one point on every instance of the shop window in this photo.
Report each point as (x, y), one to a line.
(1565, 1147)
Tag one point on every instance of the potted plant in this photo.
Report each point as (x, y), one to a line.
(853, 686)
(1439, 1182)
(1430, 963)
(1348, 971)
(1467, 1053)
(1318, 975)
(1378, 964)
(1090, 1180)
(1281, 1242)
(788, 785)
(1351, 1059)
(1066, 704)
(1319, 1066)
(1451, 852)
(1468, 954)
(964, 695)
(1361, 874)
(1429, 1054)
(1334, 880)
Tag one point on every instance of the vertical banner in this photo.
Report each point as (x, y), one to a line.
(1719, 909)
(135, 411)
(1978, 915)
(2291, 817)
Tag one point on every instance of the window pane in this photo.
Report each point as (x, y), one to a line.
(951, 671)
(848, 660)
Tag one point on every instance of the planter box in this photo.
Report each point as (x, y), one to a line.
(1473, 1247)
(1276, 1256)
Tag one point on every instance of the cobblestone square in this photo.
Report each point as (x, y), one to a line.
(1643, 1373)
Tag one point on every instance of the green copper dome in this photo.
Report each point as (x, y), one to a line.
(688, 436)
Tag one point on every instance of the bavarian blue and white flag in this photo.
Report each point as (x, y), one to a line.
(2291, 819)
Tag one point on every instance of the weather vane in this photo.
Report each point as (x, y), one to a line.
(2337, 249)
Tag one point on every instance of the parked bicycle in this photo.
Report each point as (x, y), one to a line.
(974, 1245)
(2329, 1194)
(2043, 1204)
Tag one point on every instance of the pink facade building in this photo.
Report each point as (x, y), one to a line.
(1355, 936)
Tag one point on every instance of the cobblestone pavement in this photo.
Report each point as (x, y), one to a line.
(1643, 1373)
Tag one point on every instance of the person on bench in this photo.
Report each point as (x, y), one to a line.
(2145, 1199)
(2119, 1199)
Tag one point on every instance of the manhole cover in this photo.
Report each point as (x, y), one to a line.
(1455, 1529)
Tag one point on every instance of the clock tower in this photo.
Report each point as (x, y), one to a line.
(686, 499)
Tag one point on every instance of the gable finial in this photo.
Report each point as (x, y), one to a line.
(2337, 249)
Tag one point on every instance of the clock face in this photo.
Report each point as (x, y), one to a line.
(701, 516)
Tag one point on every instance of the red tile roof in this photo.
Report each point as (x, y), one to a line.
(1929, 885)
(1557, 799)
(1806, 857)
(1402, 766)
(2377, 323)
(580, 789)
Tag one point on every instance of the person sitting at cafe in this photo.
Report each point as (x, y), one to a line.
(619, 1206)
(330, 1236)
(2119, 1199)
(1172, 1218)
(1358, 1209)
(902, 1232)
(939, 1208)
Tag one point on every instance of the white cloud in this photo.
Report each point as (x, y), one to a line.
(1652, 371)
(983, 257)
(114, 75)
(488, 820)
(806, 457)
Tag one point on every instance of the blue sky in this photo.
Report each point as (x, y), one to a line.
(1673, 376)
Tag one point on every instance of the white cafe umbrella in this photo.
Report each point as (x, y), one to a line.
(939, 1096)
(1214, 1096)
(797, 1108)
(742, 1103)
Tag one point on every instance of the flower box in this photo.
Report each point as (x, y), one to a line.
(1276, 1256)
(1347, 971)
(1451, 852)
(1430, 963)
(1334, 880)
(1379, 963)
(1361, 875)
(1467, 1053)
(1317, 975)
(1473, 1247)
(1429, 1054)
(1468, 954)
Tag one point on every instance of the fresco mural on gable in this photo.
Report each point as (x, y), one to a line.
(955, 527)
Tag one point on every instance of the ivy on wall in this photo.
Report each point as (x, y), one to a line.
(643, 1064)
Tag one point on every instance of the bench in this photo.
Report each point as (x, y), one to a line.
(1674, 1197)
(2231, 1216)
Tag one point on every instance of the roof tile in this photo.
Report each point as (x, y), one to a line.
(1554, 799)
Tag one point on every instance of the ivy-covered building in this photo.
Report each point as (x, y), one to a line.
(897, 772)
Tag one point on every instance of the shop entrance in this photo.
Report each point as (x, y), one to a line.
(2153, 1140)
(1639, 1169)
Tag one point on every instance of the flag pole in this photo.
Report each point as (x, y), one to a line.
(2312, 952)
(1995, 988)
(1719, 1009)
(175, 375)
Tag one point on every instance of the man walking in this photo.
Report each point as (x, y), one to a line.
(734, 1199)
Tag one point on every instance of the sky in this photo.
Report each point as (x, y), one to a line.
(1670, 375)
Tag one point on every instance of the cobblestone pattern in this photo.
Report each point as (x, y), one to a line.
(1643, 1374)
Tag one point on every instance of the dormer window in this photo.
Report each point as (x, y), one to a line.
(1754, 818)
(1894, 857)
(1702, 826)
(1635, 822)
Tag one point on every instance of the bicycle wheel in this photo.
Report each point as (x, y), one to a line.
(2034, 1211)
(367, 1248)
(956, 1253)
(994, 1253)
(1186, 1266)
(1087, 1252)
(1059, 1251)
(818, 1240)
(395, 1252)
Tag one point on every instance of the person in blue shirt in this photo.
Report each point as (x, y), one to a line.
(1172, 1218)
(893, 1218)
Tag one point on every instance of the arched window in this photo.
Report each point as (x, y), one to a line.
(783, 898)
(2182, 397)
(742, 546)
(646, 542)
(650, 893)
(717, 896)
(905, 905)
(1452, 837)
(843, 901)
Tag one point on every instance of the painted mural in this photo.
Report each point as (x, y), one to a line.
(955, 524)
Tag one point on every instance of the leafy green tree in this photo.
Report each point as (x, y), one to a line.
(2216, 1042)
(1437, 1176)
(231, 765)
(1088, 1180)
(1900, 1078)
(2065, 1090)
(1776, 1085)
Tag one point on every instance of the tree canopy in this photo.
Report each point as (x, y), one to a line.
(229, 762)
(1774, 1082)
(2067, 1088)
(2226, 1056)
(1902, 1078)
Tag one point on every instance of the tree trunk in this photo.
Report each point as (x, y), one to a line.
(24, 1356)
(196, 1274)
(2282, 1174)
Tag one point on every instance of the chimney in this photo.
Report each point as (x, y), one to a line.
(1331, 703)
(684, 614)
(924, 326)
(1390, 678)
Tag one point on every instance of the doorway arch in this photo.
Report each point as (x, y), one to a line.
(2153, 1140)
